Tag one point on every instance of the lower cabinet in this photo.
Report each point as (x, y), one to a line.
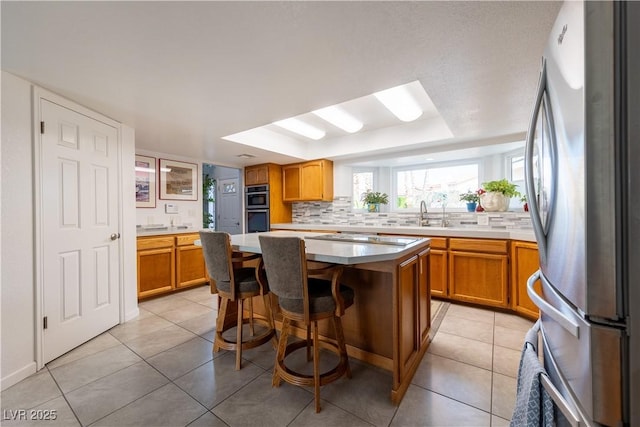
(408, 306)
(525, 262)
(424, 291)
(438, 271)
(169, 262)
(479, 271)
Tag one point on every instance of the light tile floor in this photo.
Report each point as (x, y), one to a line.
(159, 370)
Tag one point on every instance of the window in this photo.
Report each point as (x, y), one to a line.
(434, 184)
(363, 180)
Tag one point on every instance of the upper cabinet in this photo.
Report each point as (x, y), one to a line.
(256, 175)
(309, 181)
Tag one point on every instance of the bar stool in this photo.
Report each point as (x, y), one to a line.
(305, 300)
(236, 283)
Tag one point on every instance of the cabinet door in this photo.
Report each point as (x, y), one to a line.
(291, 183)
(479, 277)
(190, 267)
(312, 181)
(424, 296)
(156, 271)
(438, 273)
(408, 315)
(524, 262)
(255, 175)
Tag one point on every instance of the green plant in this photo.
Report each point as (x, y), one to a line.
(470, 197)
(501, 186)
(372, 198)
(523, 198)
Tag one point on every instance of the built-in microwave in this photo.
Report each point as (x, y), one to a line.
(257, 197)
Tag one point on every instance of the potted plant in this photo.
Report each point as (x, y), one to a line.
(472, 198)
(373, 200)
(497, 195)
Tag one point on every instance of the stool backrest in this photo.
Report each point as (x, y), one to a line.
(286, 266)
(216, 249)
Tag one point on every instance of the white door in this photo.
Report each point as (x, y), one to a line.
(80, 228)
(228, 206)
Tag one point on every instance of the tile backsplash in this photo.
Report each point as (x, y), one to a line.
(339, 212)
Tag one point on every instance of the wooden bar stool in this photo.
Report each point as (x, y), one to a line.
(305, 300)
(235, 284)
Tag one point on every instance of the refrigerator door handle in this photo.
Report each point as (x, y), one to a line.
(538, 228)
(548, 309)
(560, 401)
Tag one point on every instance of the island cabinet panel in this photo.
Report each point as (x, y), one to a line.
(424, 300)
(524, 262)
(477, 275)
(256, 175)
(438, 271)
(190, 267)
(408, 313)
(167, 263)
(156, 266)
(309, 181)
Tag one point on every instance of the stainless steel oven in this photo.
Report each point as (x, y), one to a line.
(257, 197)
(257, 220)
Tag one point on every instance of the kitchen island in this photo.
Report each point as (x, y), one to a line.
(388, 325)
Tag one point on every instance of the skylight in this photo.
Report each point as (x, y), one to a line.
(301, 128)
(399, 101)
(339, 118)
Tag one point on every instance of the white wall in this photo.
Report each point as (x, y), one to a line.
(18, 310)
(17, 342)
(190, 212)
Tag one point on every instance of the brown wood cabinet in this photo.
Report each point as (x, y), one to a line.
(524, 262)
(424, 292)
(309, 181)
(438, 263)
(156, 266)
(257, 174)
(408, 316)
(169, 262)
(479, 271)
(190, 267)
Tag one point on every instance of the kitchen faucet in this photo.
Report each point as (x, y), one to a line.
(424, 221)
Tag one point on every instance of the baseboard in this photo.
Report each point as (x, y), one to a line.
(132, 314)
(17, 376)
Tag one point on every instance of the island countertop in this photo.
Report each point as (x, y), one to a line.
(336, 252)
(483, 233)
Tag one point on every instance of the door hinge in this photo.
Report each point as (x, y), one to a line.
(45, 322)
(42, 128)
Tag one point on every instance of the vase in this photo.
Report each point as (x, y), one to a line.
(479, 208)
(492, 201)
(373, 207)
(525, 207)
(471, 206)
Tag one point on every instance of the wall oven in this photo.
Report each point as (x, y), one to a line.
(257, 220)
(257, 204)
(257, 197)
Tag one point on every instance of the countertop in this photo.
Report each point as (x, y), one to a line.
(487, 233)
(331, 251)
(140, 232)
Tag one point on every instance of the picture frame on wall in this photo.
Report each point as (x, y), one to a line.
(178, 180)
(145, 182)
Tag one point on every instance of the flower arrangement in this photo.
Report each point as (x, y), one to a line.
(374, 198)
(470, 196)
(501, 186)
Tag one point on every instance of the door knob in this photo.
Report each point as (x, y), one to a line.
(115, 236)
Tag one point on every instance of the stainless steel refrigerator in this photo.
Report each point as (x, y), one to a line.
(583, 172)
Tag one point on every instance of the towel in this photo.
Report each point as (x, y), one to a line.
(534, 407)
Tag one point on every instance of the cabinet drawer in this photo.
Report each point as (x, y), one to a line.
(479, 245)
(155, 243)
(438, 242)
(186, 239)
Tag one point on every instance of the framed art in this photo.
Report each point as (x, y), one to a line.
(145, 182)
(178, 180)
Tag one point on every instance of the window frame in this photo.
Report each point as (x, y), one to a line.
(354, 197)
(479, 162)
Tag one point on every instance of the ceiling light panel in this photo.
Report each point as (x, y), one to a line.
(339, 118)
(301, 128)
(399, 101)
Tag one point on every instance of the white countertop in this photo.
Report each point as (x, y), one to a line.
(487, 233)
(168, 230)
(331, 251)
